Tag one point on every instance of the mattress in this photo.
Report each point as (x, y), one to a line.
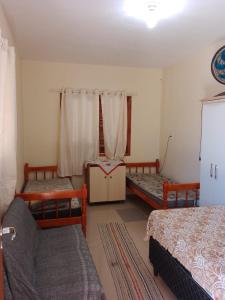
(47, 209)
(196, 238)
(41, 186)
(152, 186)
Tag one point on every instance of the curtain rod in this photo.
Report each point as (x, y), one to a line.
(59, 91)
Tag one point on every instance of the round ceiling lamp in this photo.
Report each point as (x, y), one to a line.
(152, 11)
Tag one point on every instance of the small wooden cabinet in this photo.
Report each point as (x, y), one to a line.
(103, 187)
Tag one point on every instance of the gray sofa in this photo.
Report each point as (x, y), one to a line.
(46, 264)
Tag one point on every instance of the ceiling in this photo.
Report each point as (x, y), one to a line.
(99, 32)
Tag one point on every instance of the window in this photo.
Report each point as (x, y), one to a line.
(101, 136)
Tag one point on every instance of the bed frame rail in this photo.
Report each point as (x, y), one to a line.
(44, 172)
(143, 167)
(180, 187)
(57, 196)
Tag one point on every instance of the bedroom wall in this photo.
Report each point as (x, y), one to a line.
(184, 85)
(41, 106)
(7, 33)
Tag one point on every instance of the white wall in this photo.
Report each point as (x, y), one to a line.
(41, 106)
(185, 84)
(7, 33)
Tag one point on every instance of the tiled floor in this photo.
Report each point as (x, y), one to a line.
(105, 213)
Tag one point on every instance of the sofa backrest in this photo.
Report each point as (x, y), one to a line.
(19, 254)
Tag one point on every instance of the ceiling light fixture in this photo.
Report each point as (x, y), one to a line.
(152, 11)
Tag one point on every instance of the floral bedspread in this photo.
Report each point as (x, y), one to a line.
(196, 237)
(55, 184)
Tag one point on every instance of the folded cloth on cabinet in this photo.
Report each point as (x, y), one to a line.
(107, 165)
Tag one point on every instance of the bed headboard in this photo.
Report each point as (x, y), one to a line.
(43, 171)
(143, 167)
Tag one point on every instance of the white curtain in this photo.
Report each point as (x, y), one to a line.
(79, 131)
(114, 112)
(7, 124)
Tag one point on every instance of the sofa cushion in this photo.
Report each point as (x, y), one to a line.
(64, 266)
(19, 254)
(7, 291)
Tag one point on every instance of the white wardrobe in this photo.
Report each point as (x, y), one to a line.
(212, 178)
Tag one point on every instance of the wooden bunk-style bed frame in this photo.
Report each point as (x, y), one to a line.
(167, 187)
(43, 174)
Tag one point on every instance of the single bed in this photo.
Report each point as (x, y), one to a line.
(187, 249)
(52, 199)
(160, 192)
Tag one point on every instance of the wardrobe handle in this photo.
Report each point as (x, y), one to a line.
(216, 172)
(211, 170)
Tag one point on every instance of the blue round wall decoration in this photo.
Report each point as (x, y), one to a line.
(218, 65)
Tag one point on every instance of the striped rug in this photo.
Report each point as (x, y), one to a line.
(132, 277)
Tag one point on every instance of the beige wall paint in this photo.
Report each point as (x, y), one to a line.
(184, 85)
(7, 33)
(41, 106)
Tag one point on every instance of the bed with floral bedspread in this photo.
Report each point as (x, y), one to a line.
(55, 184)
(152, 186)
(53, 200)
(144, 180)
(195, 237)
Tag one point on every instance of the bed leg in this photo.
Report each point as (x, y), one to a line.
(155, 271)
(84, 229)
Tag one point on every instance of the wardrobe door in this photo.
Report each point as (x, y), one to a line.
(213, 154)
